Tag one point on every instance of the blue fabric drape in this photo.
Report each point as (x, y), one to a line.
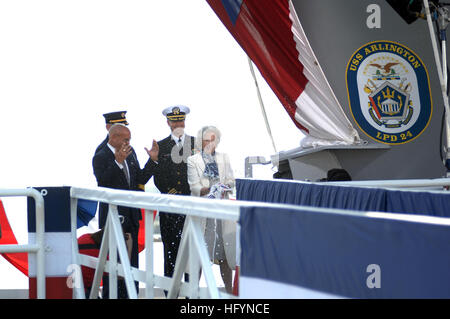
(86, 210)
(344, 197)
(331, 253)
(58, 199)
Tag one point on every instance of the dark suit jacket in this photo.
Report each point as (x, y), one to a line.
(109, 174)
(171, 172)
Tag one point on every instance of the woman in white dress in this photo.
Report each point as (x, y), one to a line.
(210, 175)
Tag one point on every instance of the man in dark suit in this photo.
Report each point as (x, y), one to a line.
(171, 178)
(111, 119)
(116, 166)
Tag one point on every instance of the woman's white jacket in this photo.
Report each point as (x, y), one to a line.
(196, 180)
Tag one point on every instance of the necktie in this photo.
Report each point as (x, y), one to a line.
(126, 172)
(180, 145)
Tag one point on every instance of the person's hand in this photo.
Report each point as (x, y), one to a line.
(153, 152)
(122, 153)
(204, 191)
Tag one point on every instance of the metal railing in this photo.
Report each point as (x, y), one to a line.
(421, 184)
(37, 248)
(192, 253)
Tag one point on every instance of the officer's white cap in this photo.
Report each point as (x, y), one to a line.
(176, 112)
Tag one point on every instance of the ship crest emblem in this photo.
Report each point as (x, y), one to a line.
(389, 92)
(390, 106)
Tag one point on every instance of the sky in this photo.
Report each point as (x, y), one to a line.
(65, 63)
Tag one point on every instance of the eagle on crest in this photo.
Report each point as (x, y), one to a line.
(387, 68)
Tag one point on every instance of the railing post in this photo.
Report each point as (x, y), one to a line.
(39, 247)
(78, 288)
(149, 276)
(194, 267)
(117, 243)
(112, 255)
(40, 241)
(203, 255)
